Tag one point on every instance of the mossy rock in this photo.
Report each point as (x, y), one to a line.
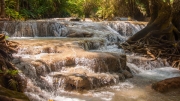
(9, 95)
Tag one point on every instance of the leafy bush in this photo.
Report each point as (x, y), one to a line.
(13, 14)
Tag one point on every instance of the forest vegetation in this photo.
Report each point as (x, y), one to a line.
(98, 9)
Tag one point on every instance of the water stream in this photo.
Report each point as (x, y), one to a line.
(50, 59)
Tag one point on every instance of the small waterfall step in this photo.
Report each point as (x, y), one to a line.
(69, 65)
(80, 79)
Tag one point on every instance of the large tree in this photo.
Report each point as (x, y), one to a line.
(161, 36)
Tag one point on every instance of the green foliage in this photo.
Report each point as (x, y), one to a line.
(13, 14)
(12, 72)
(9, 72)
(75, 8)
(6, 37)
(27, 14)
(13, 84)
(90, 7)
(105, 9)
(1, 71)
(10, 10)
(10, 3)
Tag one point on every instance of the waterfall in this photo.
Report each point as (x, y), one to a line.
(80, 61)
(33, 28)
(112, 31)
(126, 29)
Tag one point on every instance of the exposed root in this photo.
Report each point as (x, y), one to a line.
(155, 48)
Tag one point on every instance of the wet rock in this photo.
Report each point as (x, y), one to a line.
(83, 81)
(121, 76)
(122, 60)
(147, 63)
(92, 44)
(41, 67)
(27, 69)
(127, 74)
(49, 50)
(16, 61)
(77, 81)
(167, 85)
(72, 81)
(76, 32)
(69, 61)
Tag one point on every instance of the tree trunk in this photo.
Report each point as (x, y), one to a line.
(17, 5)
(161, 36)
(131, 8)
(160, 19)
(176, 14)
(2, 2)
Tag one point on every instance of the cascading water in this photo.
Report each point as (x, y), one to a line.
(89, 67)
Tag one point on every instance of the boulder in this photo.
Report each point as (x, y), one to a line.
(84, 81)
(167, 85)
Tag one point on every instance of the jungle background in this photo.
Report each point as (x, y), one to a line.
(97, 9)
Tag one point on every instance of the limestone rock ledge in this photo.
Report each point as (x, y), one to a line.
(71, 66)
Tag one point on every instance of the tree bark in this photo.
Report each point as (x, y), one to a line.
(2, 2)
(161, 36)
(17, 6)
(161, 19)
(176, 14)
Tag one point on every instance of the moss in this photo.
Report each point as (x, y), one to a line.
(12, 94)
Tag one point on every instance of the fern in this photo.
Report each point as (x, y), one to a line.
(13, 84)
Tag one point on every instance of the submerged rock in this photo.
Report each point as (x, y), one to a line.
(167, 85)
(127, 74)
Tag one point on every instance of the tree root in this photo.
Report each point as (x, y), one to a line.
(156, 48)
